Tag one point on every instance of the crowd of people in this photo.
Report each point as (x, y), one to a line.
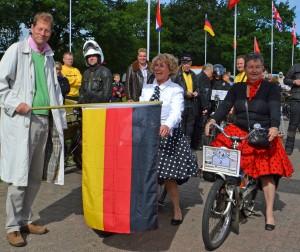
(189, 101)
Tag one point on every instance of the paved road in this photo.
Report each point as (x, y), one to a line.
(60, 208)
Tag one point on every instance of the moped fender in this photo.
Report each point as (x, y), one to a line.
(221, 175)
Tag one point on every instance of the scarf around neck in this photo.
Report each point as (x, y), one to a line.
(254, 86)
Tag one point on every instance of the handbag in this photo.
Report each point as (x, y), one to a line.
(259, 137)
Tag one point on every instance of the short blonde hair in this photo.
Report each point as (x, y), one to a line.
(68, 53)
(45, 16)
(208, 66)
(169, 59)
(142, 50)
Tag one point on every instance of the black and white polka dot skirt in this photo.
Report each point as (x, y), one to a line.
(175, 158)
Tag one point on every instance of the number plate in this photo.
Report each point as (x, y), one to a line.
(220, 93)
(221, 160)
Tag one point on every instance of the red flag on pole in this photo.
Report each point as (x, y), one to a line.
(232, 3)
(256, 46)
(294, 37)
(159, 22)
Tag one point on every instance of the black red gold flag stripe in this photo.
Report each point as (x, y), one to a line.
(119, 179)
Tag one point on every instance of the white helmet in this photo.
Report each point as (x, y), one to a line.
(91, 47)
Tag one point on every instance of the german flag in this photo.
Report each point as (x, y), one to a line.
(208, 27)
(119, 177)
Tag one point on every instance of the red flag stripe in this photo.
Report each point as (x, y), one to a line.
(117, 174)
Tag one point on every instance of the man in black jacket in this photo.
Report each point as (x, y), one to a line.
(187, 79)
(204, 104)
(97, 79)
(292, 79)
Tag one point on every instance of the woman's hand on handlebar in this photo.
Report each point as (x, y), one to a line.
(273, 132)
(208, 126)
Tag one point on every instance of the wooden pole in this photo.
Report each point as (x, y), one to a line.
(95, 105)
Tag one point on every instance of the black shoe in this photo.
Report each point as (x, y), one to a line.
(269, 227)
(176, 222)
(288, 151)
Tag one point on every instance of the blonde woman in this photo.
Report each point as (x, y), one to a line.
(176, 162)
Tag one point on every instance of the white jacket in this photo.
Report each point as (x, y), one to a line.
(17, 84)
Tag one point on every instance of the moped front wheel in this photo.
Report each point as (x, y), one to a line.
(217, 216)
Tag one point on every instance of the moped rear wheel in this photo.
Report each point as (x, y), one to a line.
(216, 217)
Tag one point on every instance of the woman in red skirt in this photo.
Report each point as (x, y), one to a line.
(263, 99)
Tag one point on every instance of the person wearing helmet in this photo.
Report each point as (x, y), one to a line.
(218, 83)
(97, 79)
(219, 86)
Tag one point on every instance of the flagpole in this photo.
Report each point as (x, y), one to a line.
(293, 47)
(148, 30)
(234, 39)
(158, 42)
(205, 46)
(294, 41)
(272, 41)
(70, 26)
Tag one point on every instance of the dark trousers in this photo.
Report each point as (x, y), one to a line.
(198, 134)
(293, 126)
(187, 122)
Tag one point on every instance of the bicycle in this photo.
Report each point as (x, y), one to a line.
(226, 198)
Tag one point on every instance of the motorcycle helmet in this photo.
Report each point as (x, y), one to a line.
(91, 47)
(219, 70)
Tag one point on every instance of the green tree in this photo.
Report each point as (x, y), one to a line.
(120, 27)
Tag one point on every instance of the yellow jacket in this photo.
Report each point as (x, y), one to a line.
(241, 77)
(74, 77)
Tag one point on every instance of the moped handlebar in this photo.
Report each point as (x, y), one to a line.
(235, 138)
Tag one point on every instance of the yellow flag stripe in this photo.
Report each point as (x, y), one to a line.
(93, 135)
(209, 30)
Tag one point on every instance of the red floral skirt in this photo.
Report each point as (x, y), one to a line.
(257, 162)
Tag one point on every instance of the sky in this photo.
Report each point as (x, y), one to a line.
(297, 21)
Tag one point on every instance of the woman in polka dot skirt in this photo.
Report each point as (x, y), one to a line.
(263, 99)
(176, 163)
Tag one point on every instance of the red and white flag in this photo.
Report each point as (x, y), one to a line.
(277, 18)
(294, 37)
(159, 22)
(256, 46)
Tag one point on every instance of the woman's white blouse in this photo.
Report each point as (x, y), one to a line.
(171, 96)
